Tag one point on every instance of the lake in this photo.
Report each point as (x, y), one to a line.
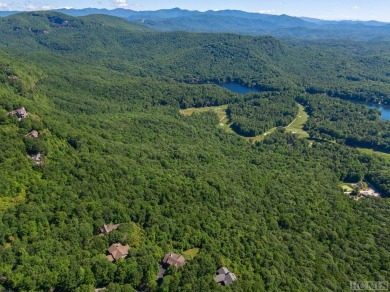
(238, 88)
(385, 109)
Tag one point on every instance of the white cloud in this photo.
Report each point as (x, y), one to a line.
(30, 7)
(47, 7)
(270, 11)
(4, 6)
(356, 7)
(120, 3)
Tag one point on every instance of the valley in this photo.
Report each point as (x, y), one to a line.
(144, 156)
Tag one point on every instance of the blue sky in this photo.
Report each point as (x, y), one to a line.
(324, 9)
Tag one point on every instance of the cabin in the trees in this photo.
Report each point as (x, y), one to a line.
(13, 77)
(21, 113)
(37, 159)
(173, 259)
(117, 251)
(224, 277)
(33, 134)
(108, 228)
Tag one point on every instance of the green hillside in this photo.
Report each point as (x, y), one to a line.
(351, 70)
(105, 97)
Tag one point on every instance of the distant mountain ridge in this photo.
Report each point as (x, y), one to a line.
(240, 22)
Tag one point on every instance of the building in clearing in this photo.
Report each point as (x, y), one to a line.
(175, 260)
(117, 251)
(223, 276)
(33, 134)
(21, 113)
(108, 228)
(37, 159)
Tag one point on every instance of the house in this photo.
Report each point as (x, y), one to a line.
(369, 192)
(175, 260)
(108, 228)
(117, 251)
(223, 276)
(33, 134)
(170, 259)
(21, 113)
(37, 159)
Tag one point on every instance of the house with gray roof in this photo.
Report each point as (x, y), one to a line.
(223, 276)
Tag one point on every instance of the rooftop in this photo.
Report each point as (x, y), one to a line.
(224, 277)
(175, 260)
(117, 251)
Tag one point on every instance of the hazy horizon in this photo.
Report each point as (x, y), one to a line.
(362, 10)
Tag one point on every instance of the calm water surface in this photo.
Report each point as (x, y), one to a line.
(238, 88)
(384, 108)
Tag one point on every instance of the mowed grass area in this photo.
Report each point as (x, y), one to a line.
(220, 111)
(260, 137)
(224, 123)
(297, 125)
(191, 253)
(373, 152)
(347, 188)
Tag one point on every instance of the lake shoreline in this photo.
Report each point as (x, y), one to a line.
(383, 108)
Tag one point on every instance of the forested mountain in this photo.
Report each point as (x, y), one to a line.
(232, 21)
(104, 97)
(240, 22)
(351, 70)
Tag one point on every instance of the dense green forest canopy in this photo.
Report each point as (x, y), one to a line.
(263, 112)
(341, 69)
(105, 100)
(343, 121)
